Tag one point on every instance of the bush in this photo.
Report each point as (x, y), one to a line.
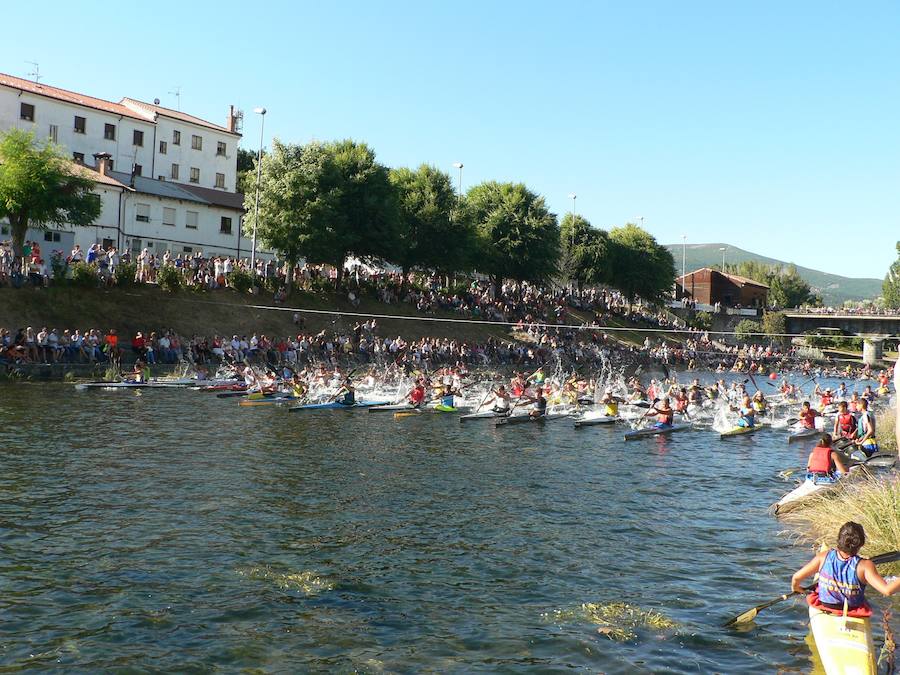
(168, 279)
(84, 275)
(240, 280)
(744, 329)
(125, 274)
(58, 266)
(701, 321)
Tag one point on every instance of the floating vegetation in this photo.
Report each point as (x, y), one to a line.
(617, 620)
(307, 582)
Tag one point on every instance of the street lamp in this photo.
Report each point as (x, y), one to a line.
(262, 112)
(459, 165)
(683, 260)
(723, 258)
(641, 218)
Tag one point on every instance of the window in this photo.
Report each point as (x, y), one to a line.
(138, 138)
(220, 149)
(187, 249)
(163, 146)
(51, 236)
(225, 225)
(78, 157)
(107, 244)
(197, 142)
(168, 216)
(80, 124)
(160, 177)
(110, 164)
(109, 132)
(220, 180)
(176, 137)
(190, 219)
(195, 174)
(4, 229)
(173, 174)
(138, 170)
(54, 133)
(26, 112)
(142, 213)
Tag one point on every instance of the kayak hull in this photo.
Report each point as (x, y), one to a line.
(803, 435)
(845, 647)
(741, 431)
(487, 415)
(801, 493)
(654, 431)
(333, 405)
(594, 421)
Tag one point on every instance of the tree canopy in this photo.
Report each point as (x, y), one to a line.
(638, 265)
(41, 188)
(585, 251)
(890, 287)
(518, 236)
(786, 287)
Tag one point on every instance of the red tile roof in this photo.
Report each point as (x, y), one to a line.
(69, 96)
(152, 108)
(94, 175)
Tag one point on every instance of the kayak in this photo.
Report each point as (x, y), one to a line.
(811, 485)
(740, 431)
(334, 405)
(269, 400)
(845, 646)
(593, 421)
(484, 415)
(655, 431)
(523, 419)
(390, 407)
(803, 434)
(116, 385)
(409, 410)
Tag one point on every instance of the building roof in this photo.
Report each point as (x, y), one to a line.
(93, 174)
(229, 200)
(68, 96)
(741, 281)
(157, 188)
(153, 109)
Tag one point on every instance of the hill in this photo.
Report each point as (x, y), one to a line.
(834, 288)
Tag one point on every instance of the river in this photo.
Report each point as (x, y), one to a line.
(170, 530)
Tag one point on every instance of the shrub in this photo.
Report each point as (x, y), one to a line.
(84, 275)
(168, 279)
(240, 280)
(125, 274)
(744, 329)
(701, 321)
(58, 266)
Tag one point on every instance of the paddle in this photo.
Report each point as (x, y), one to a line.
(750, 614)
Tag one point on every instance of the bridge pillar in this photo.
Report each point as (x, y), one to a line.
(873, 350)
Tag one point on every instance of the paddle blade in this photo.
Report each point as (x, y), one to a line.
(746, 617)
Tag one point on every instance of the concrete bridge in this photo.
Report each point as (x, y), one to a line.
(873, 328)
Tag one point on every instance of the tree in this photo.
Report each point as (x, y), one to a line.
(518, 237)
(324, 202)
(433, 233)
(584, 251)
(638, 265)
(890, 287)
(246, 164)
(40, 188)
(788, 289)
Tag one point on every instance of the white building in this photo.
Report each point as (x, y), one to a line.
(166, 179)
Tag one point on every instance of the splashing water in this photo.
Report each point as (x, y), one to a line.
(617, 621)
(307, 582)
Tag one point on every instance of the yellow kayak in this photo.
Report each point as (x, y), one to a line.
(740, 431)
(845, 646)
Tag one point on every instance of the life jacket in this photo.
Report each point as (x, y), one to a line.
(612, 409)
(846, 423)
(808, 419)
(417, 395)
(861, 424)
(825, 400)
(838, 581)
(759, 406)
(821, 461)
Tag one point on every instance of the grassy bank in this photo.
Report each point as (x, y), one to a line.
(225, 312)
(875, 504)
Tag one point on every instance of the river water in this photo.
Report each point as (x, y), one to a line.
(170, 530)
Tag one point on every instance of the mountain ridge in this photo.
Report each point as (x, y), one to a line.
(834, 288)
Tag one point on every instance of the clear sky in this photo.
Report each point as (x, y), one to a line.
(768, 125)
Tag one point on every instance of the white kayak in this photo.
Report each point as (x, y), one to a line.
(484, 415)
(811, 485)
(803, 434)
(391, 407)
(655, 431)
(598, 419)
(525, 419)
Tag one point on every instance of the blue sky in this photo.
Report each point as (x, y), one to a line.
(771, 126)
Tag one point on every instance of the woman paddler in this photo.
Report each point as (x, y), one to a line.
(844, 423)
(823, 460)
(844, 575)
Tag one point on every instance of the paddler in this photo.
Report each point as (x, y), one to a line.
(416, 396)
(611, 403)
(665, 416)
(843, 575)
(823, 460)
(759, 402)
(141, 373)
(865, 430)
(844, 423)
(747, 412)
(539, 402)
(695, 393)
(346, 394)
(807, 416)
(447, 397)
(500, 399)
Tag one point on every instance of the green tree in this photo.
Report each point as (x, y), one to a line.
(325, 202)
(518, 236)
(584, 250)
(433, 235)
(40, 188)
(890, 287)
(747, 330)
(788, 289)
(638, 265)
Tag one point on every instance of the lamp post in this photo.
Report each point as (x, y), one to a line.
(261, 112)
(573, 197)
(683, 261)
(723, 258)
(459, 165)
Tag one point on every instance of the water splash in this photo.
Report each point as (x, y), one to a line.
(307, 582)
(617, 620)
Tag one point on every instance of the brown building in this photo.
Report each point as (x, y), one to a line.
(708, 286)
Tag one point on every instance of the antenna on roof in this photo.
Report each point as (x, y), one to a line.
(36, 75)
(177, 94)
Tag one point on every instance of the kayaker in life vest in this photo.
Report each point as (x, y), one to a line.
(807, 416)
(823, 460)
(500, 400)
(759, 402)
(539, 408)
(825, 399)
(845, 422)
(865, 430)
(853, 403)
(747, 412)
(347, 393)
(843, 575)
(611, 402)
(416, 397)
(665, 416)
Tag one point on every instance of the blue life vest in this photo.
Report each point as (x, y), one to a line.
(447, 401)
(838, 580)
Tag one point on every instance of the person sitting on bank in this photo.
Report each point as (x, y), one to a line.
(843, 575)
(824, 460)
